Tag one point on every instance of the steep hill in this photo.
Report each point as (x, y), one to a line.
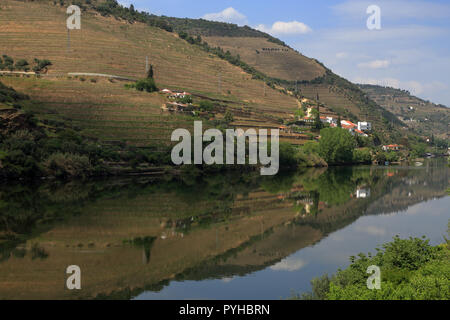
(425, 117)
(107, 45)
(257, 76)
(279, 65)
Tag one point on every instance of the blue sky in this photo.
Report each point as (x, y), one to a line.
(411, 50)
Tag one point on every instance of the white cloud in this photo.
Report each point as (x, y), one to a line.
(229, 15)
(289, 265)
(375, 64)
(285, 28)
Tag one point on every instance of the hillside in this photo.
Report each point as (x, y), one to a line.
(281, 66)
(425, 117)
(250, 73)
(103, 107)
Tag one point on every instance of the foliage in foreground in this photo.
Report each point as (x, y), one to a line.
(411, 269)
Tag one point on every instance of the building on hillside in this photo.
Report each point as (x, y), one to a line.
(391, 147)
(359, 132)
(175, 94)
(328, 119)
(308, 119)
(284, 129)
(362, 193)
(352, 128)
(348, 124)
(364, 126)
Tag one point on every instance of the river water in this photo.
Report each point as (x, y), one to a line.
(227, 236)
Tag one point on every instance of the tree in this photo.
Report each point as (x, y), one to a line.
(22, 64)
(146, 85)
(339, 124)
(299, 114)
(336, 146)
(317, 122)
(41, 65)
(228, 117)
(150, 72)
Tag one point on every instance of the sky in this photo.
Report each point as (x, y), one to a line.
(408, 49)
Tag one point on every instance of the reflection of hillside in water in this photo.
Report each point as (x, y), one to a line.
(131, 236)
(411, 186)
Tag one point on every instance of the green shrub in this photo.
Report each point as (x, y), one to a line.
(185, 99)
(362, 156)
(336, 146)
(147, 85)
(206, 105)
(22, 64)
(411, 269)
(41, 65)
(228, 117)
(65, 165)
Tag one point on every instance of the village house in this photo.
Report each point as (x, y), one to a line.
(352, 128)
(329, 120)
(364, 126)
(391, 147)
(362, 193)
(175, 94)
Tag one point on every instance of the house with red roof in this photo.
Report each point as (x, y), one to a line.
(391, 147)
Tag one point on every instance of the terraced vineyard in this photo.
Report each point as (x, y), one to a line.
(109, 46)
(423, 116)
(273, 59)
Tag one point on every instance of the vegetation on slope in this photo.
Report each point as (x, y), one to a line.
(30, 149)
(411, 269)
(423, 117)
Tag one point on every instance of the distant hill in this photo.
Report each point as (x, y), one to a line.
(425, 117)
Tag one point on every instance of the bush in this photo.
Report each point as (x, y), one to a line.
(311, 147)
(336, 146)
(185, 99)
(206, 105)
(228, 117)
(411, 269)
(392, 156)
(65, 165)
(362, 156)
(22, 64)
(41, 65)
(146, 85)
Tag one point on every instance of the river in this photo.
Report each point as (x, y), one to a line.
(227, 236)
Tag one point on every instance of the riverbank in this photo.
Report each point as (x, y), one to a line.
(410, 269)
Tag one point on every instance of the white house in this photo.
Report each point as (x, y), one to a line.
(362, 193)
(364, 126)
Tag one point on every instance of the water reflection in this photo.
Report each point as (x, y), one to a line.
(151, 238)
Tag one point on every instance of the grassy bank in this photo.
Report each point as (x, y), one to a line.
(411, 269)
